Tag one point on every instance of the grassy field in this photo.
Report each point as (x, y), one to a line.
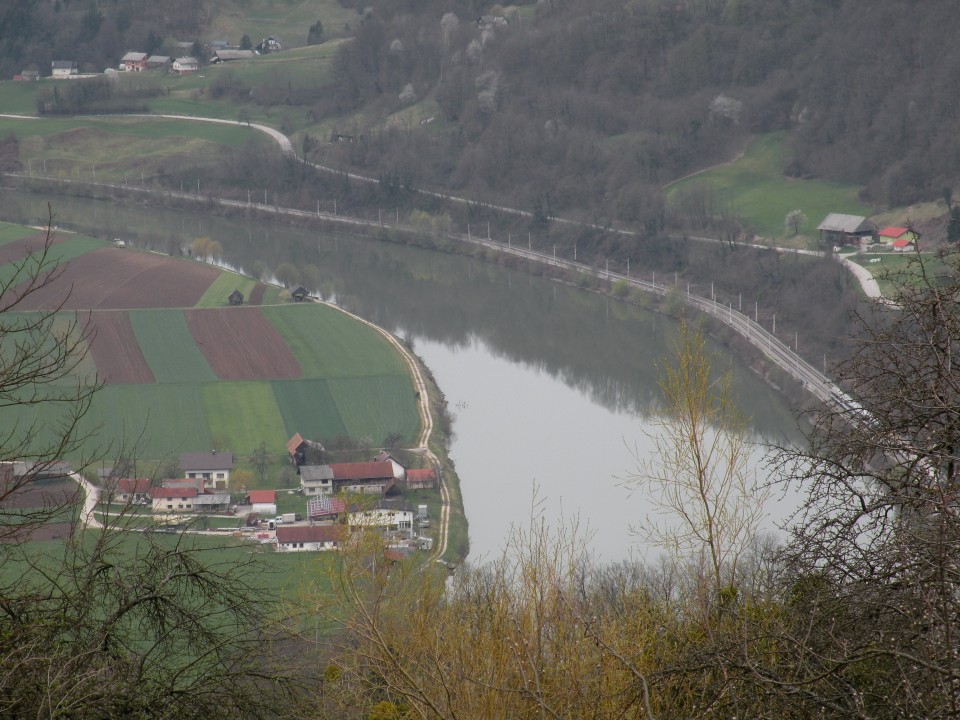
(308, 408)
(899, 269)
(761, 196)
(216, 295)
(73, 246)
(329, 344)
(376, 406)
(241, 415)
(168, 347)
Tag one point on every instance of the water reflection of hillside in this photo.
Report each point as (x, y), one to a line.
(603, 348)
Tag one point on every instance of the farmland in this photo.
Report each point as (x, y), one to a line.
(184, 372)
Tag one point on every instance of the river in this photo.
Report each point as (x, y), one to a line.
(552, 387)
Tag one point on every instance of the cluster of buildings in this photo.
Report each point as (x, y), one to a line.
(330, 492)
(135, 61)
(838, 229)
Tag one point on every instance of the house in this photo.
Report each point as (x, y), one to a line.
(262, 502)
(134, 62)
(299, 294)
(421, 479)
(903, 244)
(892, 234)
(195, 483)
(212, 467)
(235, 298)
(222, 56)
(325, 509)
(316, 479)
(63, 68)
(399, 470)
(491, 20)
(130, 490)
(304, 452)
(173, 499)
(840, 229)
(311, 537)
(388, 515)
(370, 478)
(28, 76)
(185, 65)
(155, 62)
(269, 45)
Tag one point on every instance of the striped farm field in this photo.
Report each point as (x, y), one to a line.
(168, 347)
(308, 408)
(185, 372)
(329, 344)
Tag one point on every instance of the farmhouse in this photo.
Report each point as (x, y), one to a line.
(134, 62)
(63, 68)
(840, 229)
(235, 298)
(369, 477)
(306, 538)
(157, 61)
(304, 452)
(384, 514)
(212, 467)
(28, 76)
(212, 501)
(269, 45)
(130, 490)
(399, 470)
(421, 479)
(892, 234)
(185, 65)
(173, 499)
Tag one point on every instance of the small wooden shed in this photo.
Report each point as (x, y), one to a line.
(235, 298)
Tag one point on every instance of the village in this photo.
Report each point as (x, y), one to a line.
(335, 499)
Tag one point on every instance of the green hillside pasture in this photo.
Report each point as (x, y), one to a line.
(169, 348)
(289, 20)
(20, 98)
(761, 196)
(900, 269)
(329, 344)
(10, 232)
(308, 408)
(376, 406)
(118, 146)
(243, 414)
(226, 283)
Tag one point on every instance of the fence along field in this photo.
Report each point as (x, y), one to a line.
(305, 367)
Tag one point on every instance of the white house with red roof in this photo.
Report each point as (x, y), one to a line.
(262, 502)
(173, 499)
(303, 538)
(133, 62)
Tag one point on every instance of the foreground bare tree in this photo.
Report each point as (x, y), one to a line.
(111, 622)
(872, 566)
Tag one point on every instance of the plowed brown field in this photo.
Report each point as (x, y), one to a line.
(19, 249)
(256, 295)
(241, 344)
(116, 352)
(111, 278)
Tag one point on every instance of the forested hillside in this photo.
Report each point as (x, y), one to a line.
(585, 108)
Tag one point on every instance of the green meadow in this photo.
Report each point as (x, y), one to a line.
(168, 347)
(761, 196)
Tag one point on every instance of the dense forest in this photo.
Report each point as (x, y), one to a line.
(590, 108)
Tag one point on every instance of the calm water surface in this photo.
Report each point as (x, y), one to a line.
(552, 387)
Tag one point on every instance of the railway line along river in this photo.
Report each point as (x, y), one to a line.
(551, 387)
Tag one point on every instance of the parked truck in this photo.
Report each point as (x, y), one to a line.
(286, 518)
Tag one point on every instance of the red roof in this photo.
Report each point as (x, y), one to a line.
(294, 442)
(263, 496)
(133, 485)
(181, 492)
(311, 533)
(362, 471)
(892, 231)
(421, 475)
(902, 242)
(325, 507)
